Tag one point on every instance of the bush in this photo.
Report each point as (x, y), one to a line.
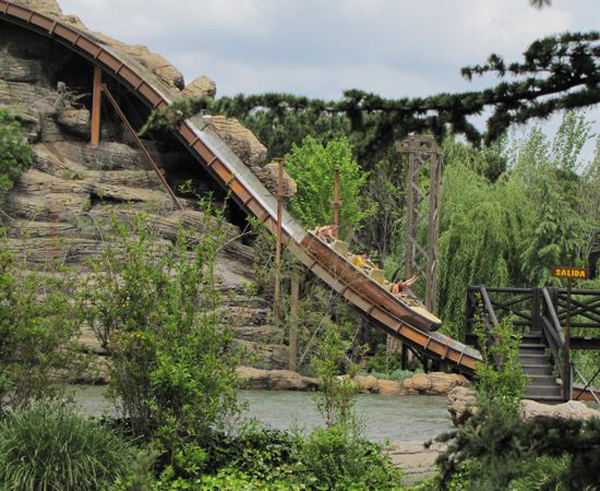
(154, 306)
(37, 334)
(260, 453)
(15, 153)
(49, 447)
(335, 458)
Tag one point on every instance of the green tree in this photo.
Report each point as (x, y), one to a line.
(312, 165)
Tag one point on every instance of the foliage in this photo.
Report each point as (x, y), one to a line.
(260, 453)
(384, 194)
(15, 152)
(154, 307)
(38, 329)
(510, 229)
(232, 479)
(337, 383)
(481, 224)
(398, 374)
(47, 446)
(558, 72)
(312, 165)
(501, 451)
(499, 376)
(336, 459)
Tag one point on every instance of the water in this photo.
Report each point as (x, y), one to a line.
(397, 418)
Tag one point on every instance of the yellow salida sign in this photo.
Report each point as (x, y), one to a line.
(570, 272)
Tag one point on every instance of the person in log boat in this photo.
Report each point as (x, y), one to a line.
(363, 262)
(327, 233)
(399, 289)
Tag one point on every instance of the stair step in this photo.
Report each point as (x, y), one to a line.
(531, 349)
(532, 359)
(542, 369)
(544, 390)
(541, 380)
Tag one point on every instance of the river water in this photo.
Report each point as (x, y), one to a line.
(396, 418)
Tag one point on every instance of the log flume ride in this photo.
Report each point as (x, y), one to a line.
(409, 324)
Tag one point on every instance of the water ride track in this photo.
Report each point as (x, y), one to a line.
(368, 297)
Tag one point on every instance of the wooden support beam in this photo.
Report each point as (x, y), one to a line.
(96, 106)
(293, 332)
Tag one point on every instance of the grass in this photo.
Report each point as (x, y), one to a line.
(49, 447)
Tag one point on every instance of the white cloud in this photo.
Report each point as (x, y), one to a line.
(319, 48)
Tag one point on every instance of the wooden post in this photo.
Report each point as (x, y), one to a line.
(96, 106)
(567, 388)
(278, 246)
(293, 333)
(336, 201)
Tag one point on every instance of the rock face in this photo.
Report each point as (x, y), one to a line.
(269, 175)
(200, 87)
(241, 140)
(461, 404)
(59, 203)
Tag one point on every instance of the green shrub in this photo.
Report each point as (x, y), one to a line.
(260, 453)
(37, 334)
(155, 307)
(15, 153)
(335, 458)
(47, 446)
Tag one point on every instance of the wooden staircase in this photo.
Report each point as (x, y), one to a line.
(542, 384)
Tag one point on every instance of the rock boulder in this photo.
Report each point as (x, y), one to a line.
(200, 87)
(255, 378)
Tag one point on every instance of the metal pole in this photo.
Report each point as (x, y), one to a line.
(336, 201)
(278, 246)
(141, 146)
(96, 106)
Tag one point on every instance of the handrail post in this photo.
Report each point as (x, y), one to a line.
(568, 378)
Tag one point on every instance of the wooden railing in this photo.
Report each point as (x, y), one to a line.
(553, 337)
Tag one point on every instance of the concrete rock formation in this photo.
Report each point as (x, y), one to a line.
(462, 404)
(254, 378)
(435, 383)
(71, 188)
(240, 139)
(200, 87)
(567, 410)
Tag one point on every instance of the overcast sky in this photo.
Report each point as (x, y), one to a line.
(319, 48)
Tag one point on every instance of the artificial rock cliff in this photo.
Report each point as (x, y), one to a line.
(70, 187)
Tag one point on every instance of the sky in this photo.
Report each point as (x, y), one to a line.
(318, 48)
